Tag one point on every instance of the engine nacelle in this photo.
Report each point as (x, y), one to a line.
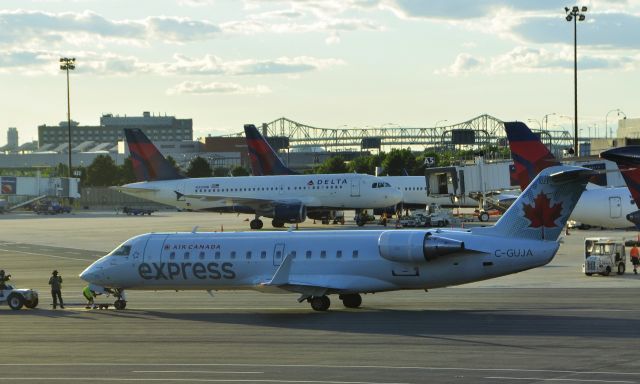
(415, 246)
(290, 213)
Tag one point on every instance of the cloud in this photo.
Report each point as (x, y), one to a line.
(37, 62)
(538, 60)
(38, 28)
(195, 3)
(200, 88)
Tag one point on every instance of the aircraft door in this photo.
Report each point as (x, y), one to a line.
(154, 250)
(278, 254)
(615, 207)
(355, 187)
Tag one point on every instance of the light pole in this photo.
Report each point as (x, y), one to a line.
(575, 14)
(67, 64)
(545, 119)
(606, 117)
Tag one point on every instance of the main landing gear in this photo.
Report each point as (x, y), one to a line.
(277, 223)
(322, 303)
(121, 302)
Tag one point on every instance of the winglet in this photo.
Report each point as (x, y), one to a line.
(281, 277)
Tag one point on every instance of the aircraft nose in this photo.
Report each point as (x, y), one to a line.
(90, 274)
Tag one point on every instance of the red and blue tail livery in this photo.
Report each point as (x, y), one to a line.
(148, 162)
(263, 158)
(628, 161)
(529, 155)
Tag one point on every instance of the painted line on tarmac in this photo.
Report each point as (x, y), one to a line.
(226, 372)
(43, 254)
(226, 380)
(467, 369)
(558, 379)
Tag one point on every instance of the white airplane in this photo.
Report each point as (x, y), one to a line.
(610, 207)
(265, 162)
(285, 199)
(348, 263)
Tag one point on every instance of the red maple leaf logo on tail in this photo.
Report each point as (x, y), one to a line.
(542, 214)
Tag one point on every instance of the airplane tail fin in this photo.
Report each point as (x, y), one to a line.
(148, 162)
(628, 161)
(529, 155)
(264, 160)
(542, 210)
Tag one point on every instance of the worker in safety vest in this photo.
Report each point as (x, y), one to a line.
(89, 295)
(635, 258)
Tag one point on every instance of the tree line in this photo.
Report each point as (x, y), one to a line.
(104, 172)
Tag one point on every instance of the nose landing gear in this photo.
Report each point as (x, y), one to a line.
(121, 302)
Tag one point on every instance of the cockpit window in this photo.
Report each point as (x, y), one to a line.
(122, 251)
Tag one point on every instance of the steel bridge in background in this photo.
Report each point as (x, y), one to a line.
(487, 129)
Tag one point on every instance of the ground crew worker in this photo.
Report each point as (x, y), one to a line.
(635, 258)
(89, 295)
(3, 279)
(56, 289)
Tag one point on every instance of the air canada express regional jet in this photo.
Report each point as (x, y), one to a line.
(347, 263)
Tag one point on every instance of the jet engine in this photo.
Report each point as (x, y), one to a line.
(416, 246)
(290, 213)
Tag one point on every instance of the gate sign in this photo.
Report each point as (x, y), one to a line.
(429, 161)
(8, 185)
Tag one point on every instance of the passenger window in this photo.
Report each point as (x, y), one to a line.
(248, 255)
(233, 254)
(323, 254)
(263, 254)
(217, 255)
(308, 254)
(338, 254)
(278, 254)
(172, 256)
(201, 255)
(355, 253)
(293, 254)
(186, 255)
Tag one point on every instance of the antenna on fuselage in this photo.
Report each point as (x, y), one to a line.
(194, 229)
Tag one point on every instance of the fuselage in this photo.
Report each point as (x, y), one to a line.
(313, 191)
(605, 207)
(340, 261)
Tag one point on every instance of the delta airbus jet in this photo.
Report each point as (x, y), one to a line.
(285, 199)
(348, 263)
(265, 161)
(598, 207)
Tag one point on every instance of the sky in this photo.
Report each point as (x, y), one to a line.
(331, 63)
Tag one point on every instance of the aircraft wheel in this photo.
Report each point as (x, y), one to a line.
(621, 269)
(352, 300)
(320, 303)
(589, 274)
(15, 301)
(277, 223)
(120, 304)
(484, 216)
(253, 224)
(260, 224)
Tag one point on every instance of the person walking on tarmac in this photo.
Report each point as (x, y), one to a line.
(89, 295)
(3, 279)
(635, 258)
(56, 289)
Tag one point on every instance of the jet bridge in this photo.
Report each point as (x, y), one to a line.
(17, 190)
(466, 185)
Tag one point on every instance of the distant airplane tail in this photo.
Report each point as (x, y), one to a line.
(148, 162)
(542, 210)
(264, 160)
(529, 155)
(628, 161)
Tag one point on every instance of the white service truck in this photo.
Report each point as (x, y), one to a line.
(604, 255)
(17, 298)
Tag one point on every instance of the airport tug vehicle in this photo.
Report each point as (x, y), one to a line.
(603, 255)
(17, 298)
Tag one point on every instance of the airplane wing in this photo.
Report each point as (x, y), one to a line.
(256, 203)
(317, 285)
